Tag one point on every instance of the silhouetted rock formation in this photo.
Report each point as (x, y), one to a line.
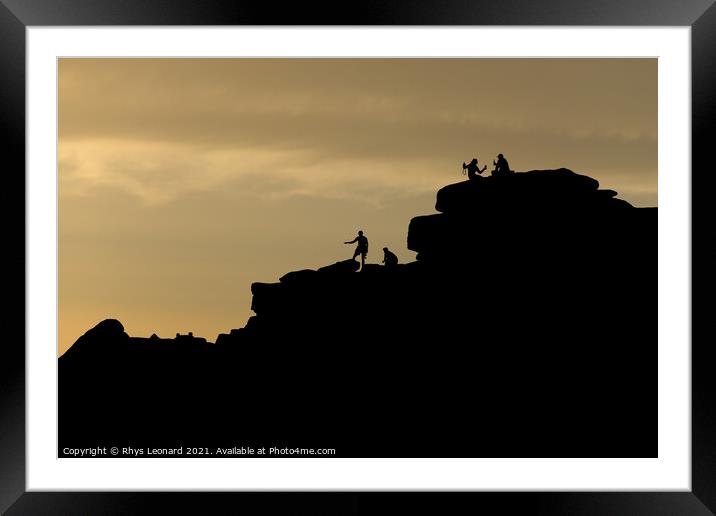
(536, 189)
(107, 337)
(523, 212)
(526, 327)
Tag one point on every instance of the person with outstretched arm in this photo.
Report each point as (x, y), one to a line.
(361, 248)
(472, 169)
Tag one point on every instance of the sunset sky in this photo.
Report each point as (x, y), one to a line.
(182, 181)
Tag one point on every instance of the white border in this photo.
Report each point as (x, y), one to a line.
(670, 471)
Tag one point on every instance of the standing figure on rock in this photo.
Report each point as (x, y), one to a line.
(361, 248)
(502, 168)
(472, 169)
(389, 258)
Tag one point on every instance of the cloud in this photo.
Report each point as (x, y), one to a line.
(158, 173)
(250, 101)
(361, 128)
(368, 129)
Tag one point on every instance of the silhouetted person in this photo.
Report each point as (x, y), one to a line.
(502, 168)
(472, 169)
(389, 258)
(361, 248)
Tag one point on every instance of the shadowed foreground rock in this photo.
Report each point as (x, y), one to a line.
(526, 327)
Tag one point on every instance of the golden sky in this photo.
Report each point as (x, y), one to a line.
(182, 181)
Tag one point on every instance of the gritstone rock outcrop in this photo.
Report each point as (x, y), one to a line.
(525, 327)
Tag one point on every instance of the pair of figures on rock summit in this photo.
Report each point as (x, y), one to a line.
(389, 258)
(502, 168)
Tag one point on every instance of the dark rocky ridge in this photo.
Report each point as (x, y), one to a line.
(526, 327)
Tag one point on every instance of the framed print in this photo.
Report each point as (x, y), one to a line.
(445, 249)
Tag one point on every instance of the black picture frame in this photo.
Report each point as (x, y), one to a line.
(17, 15)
